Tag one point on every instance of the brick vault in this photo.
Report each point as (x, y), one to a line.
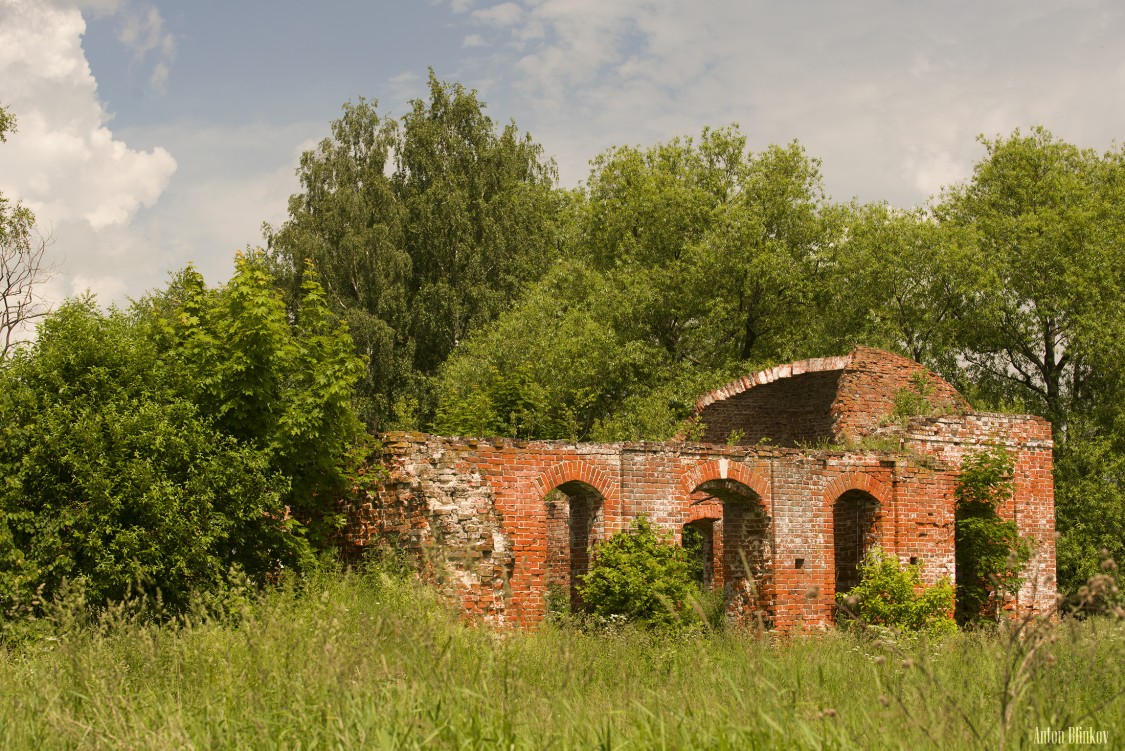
(799, 470)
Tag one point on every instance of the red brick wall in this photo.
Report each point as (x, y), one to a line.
(788, 412)
(480, 518)
(867, 389)
(826, 399)
(949, 439)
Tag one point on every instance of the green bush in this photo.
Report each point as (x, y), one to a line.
(645, 579)
(161, 449)
(893, 596)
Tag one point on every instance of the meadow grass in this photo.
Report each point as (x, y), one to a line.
(368, 660)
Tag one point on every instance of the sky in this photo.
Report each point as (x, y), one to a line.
(153, 134)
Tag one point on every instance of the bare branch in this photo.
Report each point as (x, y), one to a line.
(23, 271)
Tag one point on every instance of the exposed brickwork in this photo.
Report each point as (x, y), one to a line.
(496, 522)
(831, 399)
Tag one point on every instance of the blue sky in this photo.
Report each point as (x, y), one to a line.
(153, 134)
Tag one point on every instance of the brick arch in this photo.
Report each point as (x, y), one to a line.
(857, 481)
(722, 469)
(576, 470)
(706, 510)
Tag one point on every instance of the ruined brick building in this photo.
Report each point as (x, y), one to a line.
(798, 471)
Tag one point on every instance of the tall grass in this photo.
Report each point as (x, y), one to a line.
(366, 660)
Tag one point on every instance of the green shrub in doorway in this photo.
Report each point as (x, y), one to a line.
(892, 596)
(647, 579)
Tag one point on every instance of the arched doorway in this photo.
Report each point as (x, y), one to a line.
(738, 545)
(575, 521)
(853, 534)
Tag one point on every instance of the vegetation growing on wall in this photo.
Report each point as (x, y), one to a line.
(990, 553)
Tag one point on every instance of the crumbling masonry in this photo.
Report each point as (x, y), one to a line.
(800, 469)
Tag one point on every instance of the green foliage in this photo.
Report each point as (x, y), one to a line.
(1046, 223)
(893, 596)
(692, 541)
(638, 575)
(552, 367)
(1089, 505)
(322, 662)
(899, 280)
(683, 261)
(713, 250)
(914, 400)
(419, 253)
(285, 388)
(990, 553)
(112, 477)
(162, 449)
(7, 123)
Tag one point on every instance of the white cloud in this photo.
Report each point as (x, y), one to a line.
(103, 287)
(141, 29)
(474, 40)
(85, 185)
(64, 161)
(501, 14)
(890, 95)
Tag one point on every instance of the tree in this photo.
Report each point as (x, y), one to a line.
(479, 213)
(22, 265)
(1047, 226)
(1042, 329)
(417, 257)
(112, 477)
(688, 263)
(759, 272)
(285, 387)
(900, 280)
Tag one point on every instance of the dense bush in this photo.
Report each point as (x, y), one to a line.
(647, 580)
(162, 448)
(893, 596)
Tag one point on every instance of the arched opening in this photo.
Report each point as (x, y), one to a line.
(853, 534)
(574, 523)
(741, 556)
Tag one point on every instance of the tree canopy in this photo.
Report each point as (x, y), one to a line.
(686, 263)
(423, 229)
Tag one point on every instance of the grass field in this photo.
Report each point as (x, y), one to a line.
(361, 661)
